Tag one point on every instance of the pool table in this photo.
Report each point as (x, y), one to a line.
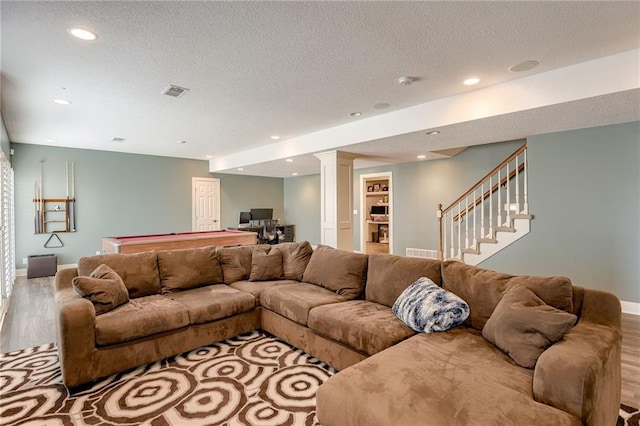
(181, 240)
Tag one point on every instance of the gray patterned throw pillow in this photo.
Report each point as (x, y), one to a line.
(426, 307)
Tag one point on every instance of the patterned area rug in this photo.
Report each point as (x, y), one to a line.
(253, 379)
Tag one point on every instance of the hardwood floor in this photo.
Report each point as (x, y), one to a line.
(30, 322)
(30, 318)
(631, 360)
(377, 247)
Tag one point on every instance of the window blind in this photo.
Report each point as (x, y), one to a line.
(7, 229)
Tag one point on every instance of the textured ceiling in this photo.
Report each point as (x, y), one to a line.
(255, 69)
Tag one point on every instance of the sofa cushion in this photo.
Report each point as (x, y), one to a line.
(257, 287)
(366, 326)
(103, 287)
(189, 268)
(451, 378)
(294, 301)
(389, 275)
(482, 289)
(524, 326)
(139, 271)
(236, 261)
(140, 317)
(426, 307)
(213, 302)
(266, 266)
(340, 271)
(295, 258)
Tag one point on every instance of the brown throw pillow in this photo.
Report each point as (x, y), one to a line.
(265, 267)
(103, 287)
(524, 326)
(295, 258)
(236, 261)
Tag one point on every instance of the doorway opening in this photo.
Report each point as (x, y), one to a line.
(376, 213)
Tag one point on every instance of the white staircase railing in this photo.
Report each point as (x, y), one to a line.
(490, 206)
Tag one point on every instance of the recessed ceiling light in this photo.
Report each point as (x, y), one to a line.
(381, 105)
(275, 137)
(433, 132)
(294, 174)
(240, 169)
(422, 156)
(471, 81)
(61, 101)
(52, 140)
(355, 114)
(117, 139)
(406, 80)
(289, 160)
(524, 66)
(83, 34)
(181, 142)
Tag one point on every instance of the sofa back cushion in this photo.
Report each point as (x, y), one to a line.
(295, 258)
(482, 289)
(388, 276)
(139, 271)
(189, 268)
(236, 261)
(340, 271)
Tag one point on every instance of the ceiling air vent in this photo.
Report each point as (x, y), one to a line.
(174, 91)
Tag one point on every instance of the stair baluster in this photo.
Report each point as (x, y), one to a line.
(483, 231)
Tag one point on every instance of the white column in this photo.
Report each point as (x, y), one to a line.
(336, 199)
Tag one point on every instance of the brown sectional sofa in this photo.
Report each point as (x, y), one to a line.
(336, 306)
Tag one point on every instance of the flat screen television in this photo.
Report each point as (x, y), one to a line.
(261, 214)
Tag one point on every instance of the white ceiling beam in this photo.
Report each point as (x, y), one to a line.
(611, 74)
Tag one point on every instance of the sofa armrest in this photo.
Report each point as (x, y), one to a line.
(581, 373)
(64, 278)
(75, 332)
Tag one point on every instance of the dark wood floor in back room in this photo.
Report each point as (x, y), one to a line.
(30, 322)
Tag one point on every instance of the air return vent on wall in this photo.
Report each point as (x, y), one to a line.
(175, 91)
(427, 254)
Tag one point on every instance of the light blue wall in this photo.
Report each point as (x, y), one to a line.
(302, 206)
(584, 191)
(124, 194)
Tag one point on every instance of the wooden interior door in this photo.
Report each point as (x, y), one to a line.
(206, 204)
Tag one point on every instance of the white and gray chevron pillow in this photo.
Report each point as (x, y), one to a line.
(426, 307)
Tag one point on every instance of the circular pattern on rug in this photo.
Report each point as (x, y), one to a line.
(21, 405)
(263, 352)
(200, 354)
(226, 366)
(145, 396)
(294, 388)
(213, 402)
(41, 363)
(261, 413)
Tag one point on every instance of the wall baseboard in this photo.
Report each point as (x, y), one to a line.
(632, 308)
(23, 272)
